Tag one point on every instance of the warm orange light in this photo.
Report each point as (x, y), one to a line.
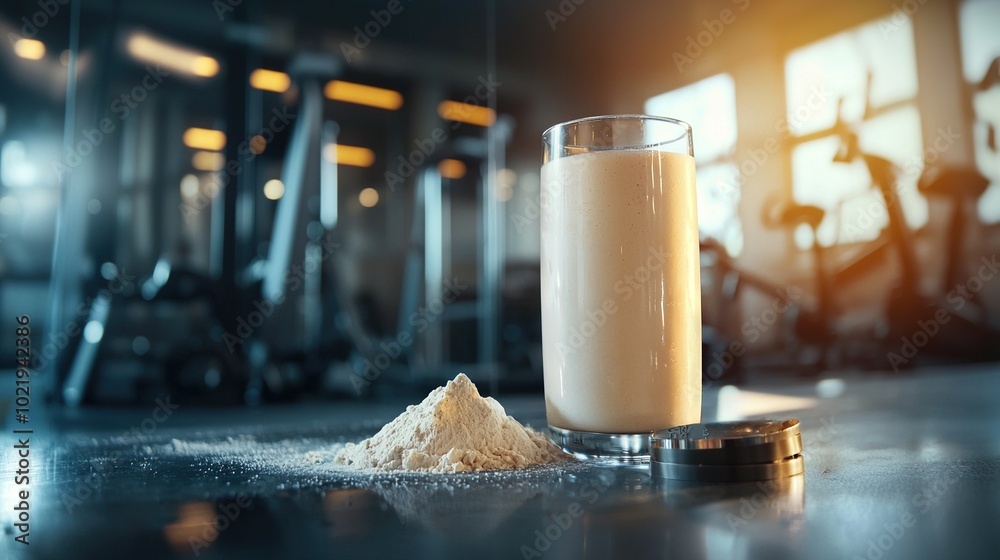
(204, 139)
(368, 197)
(349, 155)
(466, 113)
(204, 66)
(451, 169)
(29, 49)
(363, 95)
(208, 161)
(196, 522)
(171, 57)
(257, 144)
(270, 80)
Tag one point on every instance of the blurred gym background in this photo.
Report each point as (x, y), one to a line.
(238, 201)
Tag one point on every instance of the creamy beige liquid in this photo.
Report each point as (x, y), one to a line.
(621, 296)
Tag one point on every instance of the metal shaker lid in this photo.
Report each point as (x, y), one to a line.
(728, 451)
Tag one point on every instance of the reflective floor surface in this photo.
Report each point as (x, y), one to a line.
(896, 467)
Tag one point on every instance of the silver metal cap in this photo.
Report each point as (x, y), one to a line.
(728, 451)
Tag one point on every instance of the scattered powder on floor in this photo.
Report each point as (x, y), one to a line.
(452, 430)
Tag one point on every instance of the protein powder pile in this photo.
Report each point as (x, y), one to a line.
(453, 430)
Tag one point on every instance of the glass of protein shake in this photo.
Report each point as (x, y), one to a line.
(621, 297)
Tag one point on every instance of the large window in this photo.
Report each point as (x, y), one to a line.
(980, 46)
(839, 68)
(709, 106)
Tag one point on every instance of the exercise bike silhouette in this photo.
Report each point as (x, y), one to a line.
(911, 320)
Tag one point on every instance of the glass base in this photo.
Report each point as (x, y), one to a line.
(591, 446)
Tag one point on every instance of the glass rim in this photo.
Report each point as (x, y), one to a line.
(687, 128)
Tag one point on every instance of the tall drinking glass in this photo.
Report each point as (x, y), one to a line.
(621, 298)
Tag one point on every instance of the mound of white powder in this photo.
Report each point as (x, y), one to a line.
(454, 429)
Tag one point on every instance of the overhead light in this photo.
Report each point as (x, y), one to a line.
(270, 80)
(257, 144)
(189, 186)
(466, 113)
(451, 169)
(274, 189)
(170, 56)
(93, 331)
(204, 139)
(16, 169)
(205, 66)
(504, 193)
(30, 49)
(506, 180)
(349, 155)
(368, 197)
(208, 161)
(363, 95)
